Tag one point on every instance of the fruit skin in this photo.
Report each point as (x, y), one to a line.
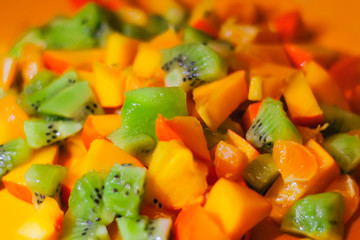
(318, 216)
(345, 149)
(46, 223)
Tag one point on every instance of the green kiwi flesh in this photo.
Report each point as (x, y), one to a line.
(40, 133)
(39, 81)
(318, 216)
(191, 65)
(271, 124)
(345, 149)
(34, 36)
(12, 154)
(124, 188)
(261, 172)
(86, 199)
(44, 180)
(339, 120)
(144, 229)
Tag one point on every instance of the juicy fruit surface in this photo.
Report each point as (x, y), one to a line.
(124, 188)
(317, 216)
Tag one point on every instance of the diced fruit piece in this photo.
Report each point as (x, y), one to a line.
(13, 219)
(217, 100)
(48, 90)
(345, 149)
(8, 70)
(120, 50)
(86, 199)
(12, 119)
(30, 61)
(186, 129)
(44, 180)
(13, 154)
(255, 89)
(317, 78)
(340, 120)
(318, 216)
(98, 127)
(297, 55)
(271, 124)
(76, 101)
(348, 187)
(41, 133)
(143, 228)
(45, 224)
(83, 31)
(141, 108)
(34, 36)
(38, 82)
(236, 140)
(193, 222)
(108, 85)
(237, 204)
(124, 188)
(229, 161)
(174, 178)
(81, 229)
(15, 181)
(191, 65)
(307, 111)
(250, 115)
(61, 60)
(294, 161)
(261, 173)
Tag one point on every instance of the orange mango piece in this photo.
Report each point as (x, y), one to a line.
(14, 181)
(108, 86)
(217, 100)
(73, 149)
(193, 223)
(133, 15)
(348, 187)
(186, 129)
(229, 161)
(307, 111)
(14, 216)
(243, 11)
(99, 149)
(241, 208)
(317, 78)
(242, 144)
(12, 119)
(8, 70)
(99, 126)
(269, 230)
(174, 178)
(297, 55)
(250, 115)
(203, 18)
(294, 161)
(45, 223)
(30, 61)
(120, 50)
(61, 60)
(352, 227)
(148, 58)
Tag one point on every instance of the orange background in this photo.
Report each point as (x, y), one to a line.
(339, 21)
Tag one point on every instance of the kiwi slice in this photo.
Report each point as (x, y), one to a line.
(133, 31)
(271, 124)
(81, 229)
(345, 149)
(40, 133)
(124, 188)
(138, 115)
(318, 216)
(144, 229)
(156, 25)
(76, 101)
(192, 35)
(191, 65)
(44, 180)
(339, 120)
(34, 36)
(12, 154)
(261, 172)
(34, 100)
(38, 82)
(82, 31)
(86, 199)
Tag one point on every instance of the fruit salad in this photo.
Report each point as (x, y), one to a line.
(176, 119)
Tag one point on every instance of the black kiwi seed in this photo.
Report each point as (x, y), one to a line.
(97, 190)
(115, 190)
(155, 201)
(127, 193)
(89, 222)
(47, 134)
(99, 196)
(83, 233)
(97, 201)
(86, 229)
(48, 141)
(160, 205)
(50, 126)
(53, 137)
(97, 219)
(116, 176)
